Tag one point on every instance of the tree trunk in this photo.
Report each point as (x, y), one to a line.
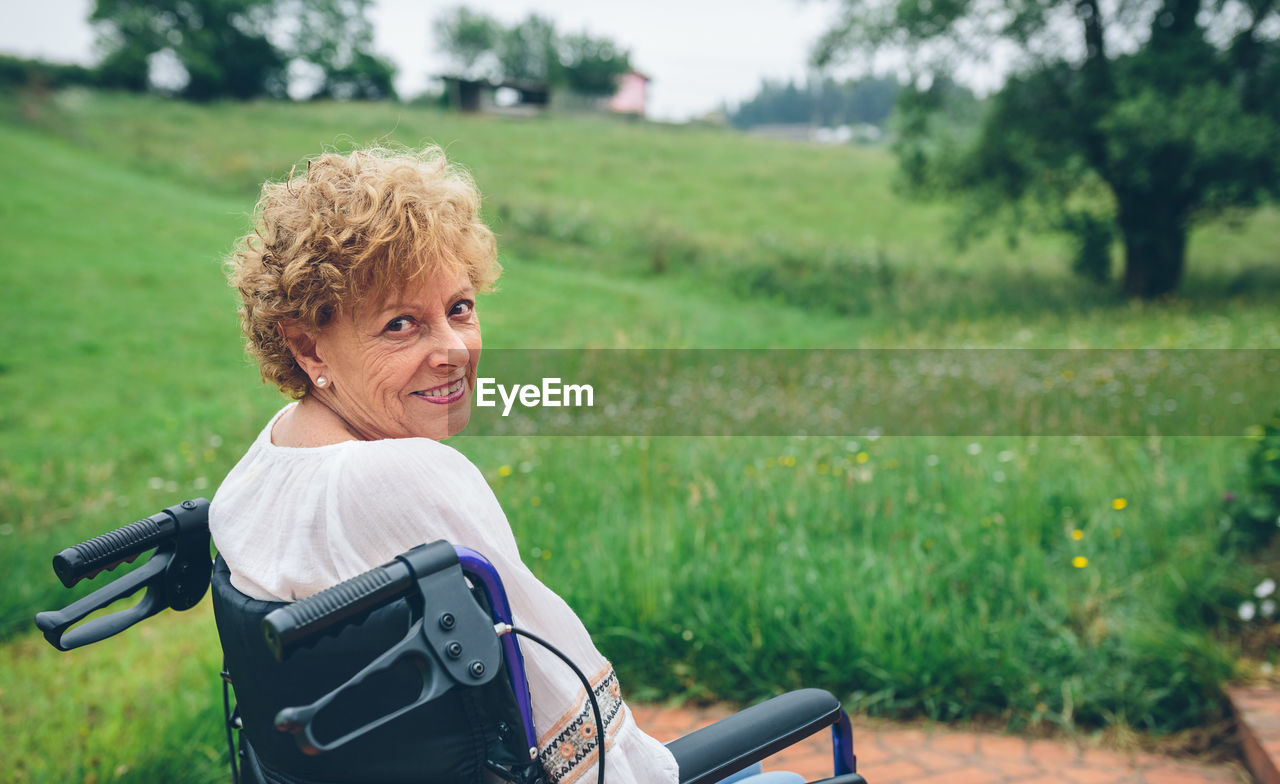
(1154, 229)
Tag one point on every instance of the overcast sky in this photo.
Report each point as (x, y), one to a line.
(699, 53)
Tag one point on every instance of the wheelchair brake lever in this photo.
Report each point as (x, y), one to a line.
(56, 624)
(176, 576)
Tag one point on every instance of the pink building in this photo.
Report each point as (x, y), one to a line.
(632, 94)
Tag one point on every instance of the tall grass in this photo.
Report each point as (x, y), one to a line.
(911, 576)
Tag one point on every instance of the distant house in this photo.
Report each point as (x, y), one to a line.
(632, 96)
(477, 95)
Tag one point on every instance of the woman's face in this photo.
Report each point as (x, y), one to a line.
(406, 366)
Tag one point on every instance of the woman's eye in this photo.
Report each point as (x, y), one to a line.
(462, 307)
(399, 324)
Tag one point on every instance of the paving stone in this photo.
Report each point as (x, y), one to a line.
(933, 761)
(896, 739)
(968, 775)
(1048, 752)
(891, 772)
(1106, 758)
(1003, 746)
(1087, 774)
(956, 742)
(1012, 770)
(908, 755)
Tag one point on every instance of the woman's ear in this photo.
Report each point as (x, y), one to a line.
(302, 344)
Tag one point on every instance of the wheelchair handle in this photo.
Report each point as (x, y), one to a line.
(106, 552)
(306, 619)
(176, 576)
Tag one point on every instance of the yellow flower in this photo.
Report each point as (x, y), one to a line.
(504, 470)
(749, 470)
(1116, 533)
(863, 457)
(1079, 562)
(535, 501)
(1077, 534)
(1119, 503)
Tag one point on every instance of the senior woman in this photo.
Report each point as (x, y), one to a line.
(358, 288)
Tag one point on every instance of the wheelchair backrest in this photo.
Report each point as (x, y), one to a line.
(446, 740)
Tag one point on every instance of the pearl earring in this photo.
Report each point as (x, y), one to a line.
(322, 382)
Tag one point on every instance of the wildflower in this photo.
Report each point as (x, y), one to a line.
(1116, 533)
(1265, 588)
(1005, 456)
(535, 501)
(931, 460)
(1118, 503)
(863, 457)
(686, 635)
(525, 467)
(1079, 562)
(1077, 534)
(504, 470)
(1247, 611)
(998, 476)
(974, 449)
(1268, 607)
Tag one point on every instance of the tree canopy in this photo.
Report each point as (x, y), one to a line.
(826, 101)
(481, 47)
(1128, 118)
(242, 48)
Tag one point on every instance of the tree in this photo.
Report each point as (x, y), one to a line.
(242, 48)
(469, 38)
(869, 100)
(592, 65)
(336, 37)
(222, 44)
(527, 51)
(1130, 117)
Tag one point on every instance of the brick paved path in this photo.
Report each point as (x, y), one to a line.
(889, 755)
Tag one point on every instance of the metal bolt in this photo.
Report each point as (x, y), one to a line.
(188, 504)
(476, 668)
(453, 648)
(447, 621)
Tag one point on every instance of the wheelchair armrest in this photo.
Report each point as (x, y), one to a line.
(731, 744)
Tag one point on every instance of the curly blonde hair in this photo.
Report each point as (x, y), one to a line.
(351, 228)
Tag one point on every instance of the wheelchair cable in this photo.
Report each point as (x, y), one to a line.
(504, 628)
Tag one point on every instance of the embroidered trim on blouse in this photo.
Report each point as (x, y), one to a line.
(571, 750)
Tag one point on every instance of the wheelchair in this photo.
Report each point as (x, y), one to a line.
(409, 672)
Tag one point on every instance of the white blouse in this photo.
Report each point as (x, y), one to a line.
(293, 521)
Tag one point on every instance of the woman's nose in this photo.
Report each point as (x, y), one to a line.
(448, 348)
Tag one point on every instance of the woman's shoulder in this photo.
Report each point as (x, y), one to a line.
(395, 459)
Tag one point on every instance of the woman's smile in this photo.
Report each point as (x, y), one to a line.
(445, 393)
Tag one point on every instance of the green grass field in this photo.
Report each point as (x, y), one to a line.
(920, 576)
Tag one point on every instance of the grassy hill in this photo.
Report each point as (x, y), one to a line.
(912, 576)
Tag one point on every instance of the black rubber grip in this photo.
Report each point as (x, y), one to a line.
(310, 617)
(110, 549)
